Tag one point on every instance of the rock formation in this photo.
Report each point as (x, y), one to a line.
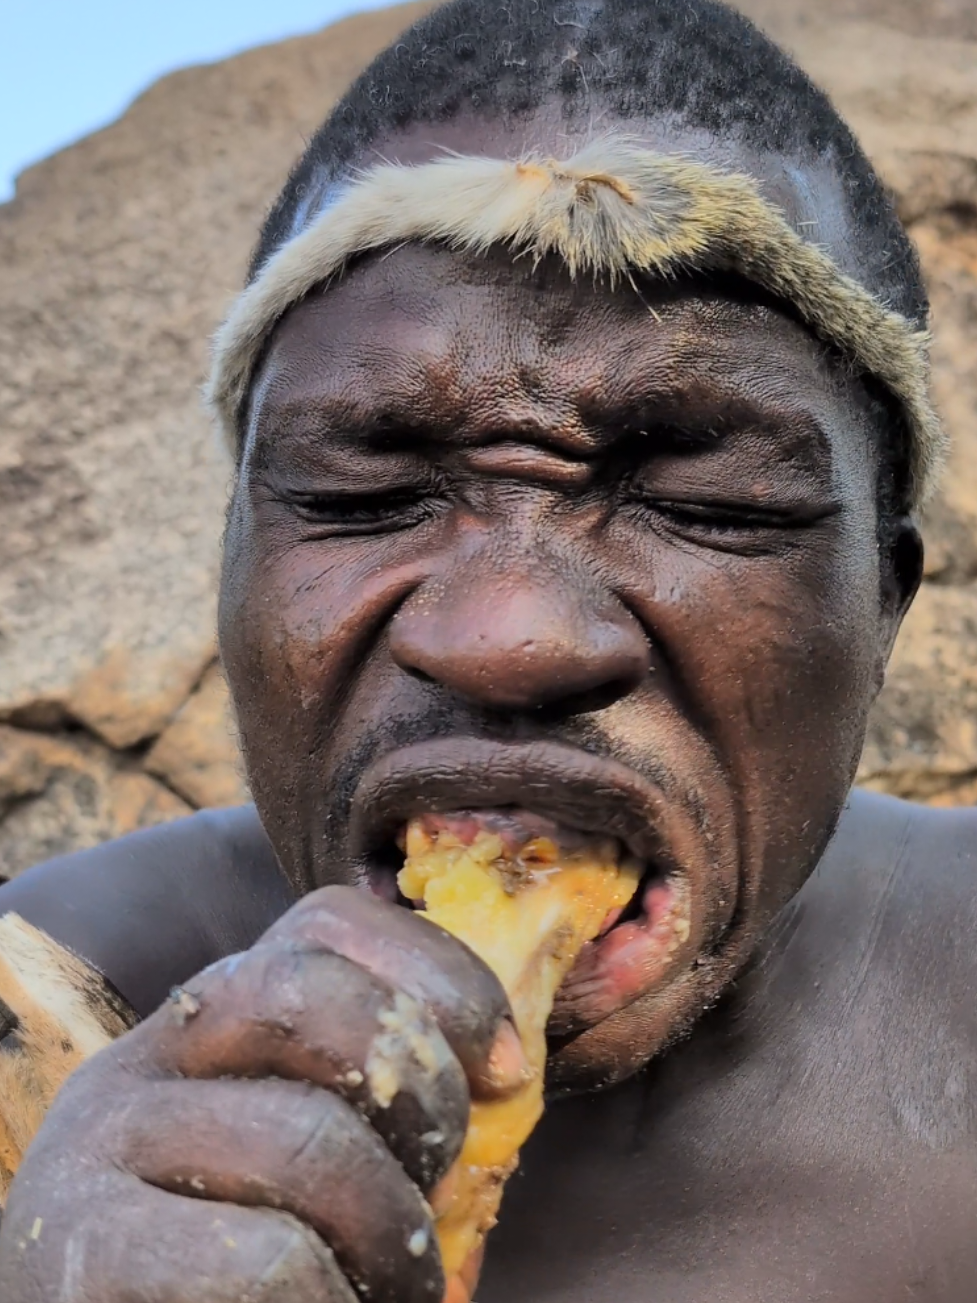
(119, 255)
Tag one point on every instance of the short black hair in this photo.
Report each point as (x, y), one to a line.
(697, 61)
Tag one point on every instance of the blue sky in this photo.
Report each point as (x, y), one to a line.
(68, 67)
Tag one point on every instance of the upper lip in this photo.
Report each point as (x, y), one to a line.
(574, 787)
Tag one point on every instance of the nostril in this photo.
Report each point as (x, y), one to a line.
(586, 702)
(415, 672)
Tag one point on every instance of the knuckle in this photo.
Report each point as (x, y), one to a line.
(322, 903)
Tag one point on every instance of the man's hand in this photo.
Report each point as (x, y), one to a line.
(270, 1134)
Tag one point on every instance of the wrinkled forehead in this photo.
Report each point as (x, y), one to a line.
(424, 325)
(425, 347)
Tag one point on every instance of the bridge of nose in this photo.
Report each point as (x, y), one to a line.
(520, 636)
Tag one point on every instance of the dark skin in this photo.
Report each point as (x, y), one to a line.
(499, 535)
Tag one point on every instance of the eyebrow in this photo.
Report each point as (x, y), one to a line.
(706, 419)
(311, 416)
(681, 421)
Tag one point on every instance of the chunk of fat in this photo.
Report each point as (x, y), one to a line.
(527, 916)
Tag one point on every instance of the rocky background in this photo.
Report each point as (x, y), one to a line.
(119, 256)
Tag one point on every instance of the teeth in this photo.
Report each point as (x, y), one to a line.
(678, 918)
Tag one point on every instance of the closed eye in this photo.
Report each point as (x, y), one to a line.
(365, 513)
(729, 516)
(731, 526)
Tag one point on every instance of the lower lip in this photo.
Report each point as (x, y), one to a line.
(629, 960)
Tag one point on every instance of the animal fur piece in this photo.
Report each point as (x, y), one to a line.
(614, 209)
(55, 1012)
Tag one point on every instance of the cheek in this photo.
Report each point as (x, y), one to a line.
(297, 623)
(804, 699)
(750, 633)
(773, 660)
(801, 641)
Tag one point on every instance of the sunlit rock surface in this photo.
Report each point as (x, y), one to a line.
(118, 256)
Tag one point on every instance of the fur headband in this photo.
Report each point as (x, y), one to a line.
(614, 209)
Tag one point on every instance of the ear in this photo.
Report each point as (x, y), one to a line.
(901, 572)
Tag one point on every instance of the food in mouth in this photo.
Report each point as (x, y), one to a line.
(526, 899)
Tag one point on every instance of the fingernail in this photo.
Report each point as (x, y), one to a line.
(507, 1068)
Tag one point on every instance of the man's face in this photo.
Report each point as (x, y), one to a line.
(502, 540)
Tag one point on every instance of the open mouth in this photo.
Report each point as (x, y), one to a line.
(689, 867)
(636, 947)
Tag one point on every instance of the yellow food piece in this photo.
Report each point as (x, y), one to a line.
(527, 917)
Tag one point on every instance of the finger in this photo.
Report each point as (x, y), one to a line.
(299, 1149)
(308, 1015)
(125, 1242)
(414, 955)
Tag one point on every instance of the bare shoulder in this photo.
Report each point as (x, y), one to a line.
(149, 910)
(885, 927)
(921, 857)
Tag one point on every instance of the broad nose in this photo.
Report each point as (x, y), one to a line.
(519, 639)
